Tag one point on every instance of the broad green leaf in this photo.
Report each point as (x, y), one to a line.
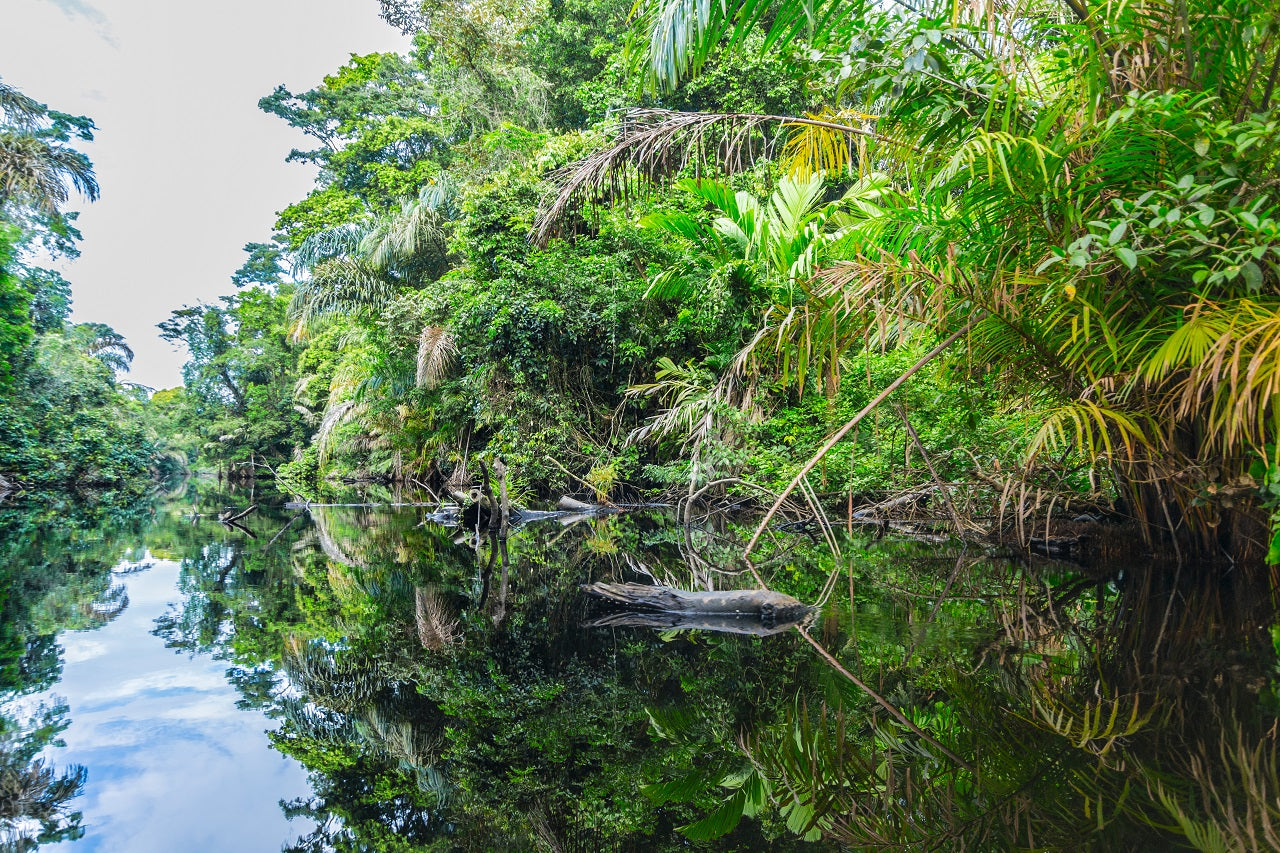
(720, 822)
(1252, 276)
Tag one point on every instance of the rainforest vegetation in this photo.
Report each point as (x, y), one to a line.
(660, 246)
(67, 421)
(1002, 276)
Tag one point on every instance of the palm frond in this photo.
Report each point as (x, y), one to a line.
(339, 285)
(815, 148)
(412, 235)
(41, 173)
(1094, 429)
(334, 416)
(436, 349)
(693, 402)
(682, 35)
(654, 145)
(20, 111)
(1238, 378)
(339, 241)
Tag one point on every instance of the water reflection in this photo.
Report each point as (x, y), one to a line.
(441, 692)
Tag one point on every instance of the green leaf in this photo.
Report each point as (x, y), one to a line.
(1117, 233)
(720, 822)
(1127, 256)
(1048, 262)
(800, 817)
(681, 789)
(1252, 276)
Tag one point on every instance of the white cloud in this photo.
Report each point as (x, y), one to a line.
(91, 14)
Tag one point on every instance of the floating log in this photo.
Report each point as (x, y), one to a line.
(527, 516)
(770, 608)
(246, 531)
(231, 519)
(749, 624)
(445, 516)
(569, 504)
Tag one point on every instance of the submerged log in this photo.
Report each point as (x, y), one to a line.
(770, 608)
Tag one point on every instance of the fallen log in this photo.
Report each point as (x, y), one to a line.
(231, 519)
(749, 624)
(528, 516)
(569, 504)
(889, 508)
(246, 531)
(472, 496)
(770, 608)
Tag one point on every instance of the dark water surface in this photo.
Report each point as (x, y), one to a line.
(356, 678)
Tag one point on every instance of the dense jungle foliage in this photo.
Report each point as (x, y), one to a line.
(1010, 268)
(662, 246)
(66, 418)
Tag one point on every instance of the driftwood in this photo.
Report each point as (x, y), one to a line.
(890, 508)
(472, 496)
(393, 505)
(768, 607)
(228, 519)
(569, 504)
(750, 624)
(246, 531)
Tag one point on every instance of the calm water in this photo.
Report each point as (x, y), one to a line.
(170, 755)
(367, 678)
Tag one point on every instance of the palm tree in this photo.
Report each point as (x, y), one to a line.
(1086, 189)
(36, 168)
(105, 344)
(358, 268)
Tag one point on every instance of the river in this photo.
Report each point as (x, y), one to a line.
(367, 678)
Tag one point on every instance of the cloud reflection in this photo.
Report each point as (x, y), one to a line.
(173, 764)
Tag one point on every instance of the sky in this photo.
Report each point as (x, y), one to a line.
(190, 169)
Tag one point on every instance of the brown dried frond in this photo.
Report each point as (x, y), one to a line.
(861, 302)
(436, 348)
(437, 629)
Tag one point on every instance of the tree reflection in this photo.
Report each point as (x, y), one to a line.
(1140, 718)
(442, 692)
(56, 574)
